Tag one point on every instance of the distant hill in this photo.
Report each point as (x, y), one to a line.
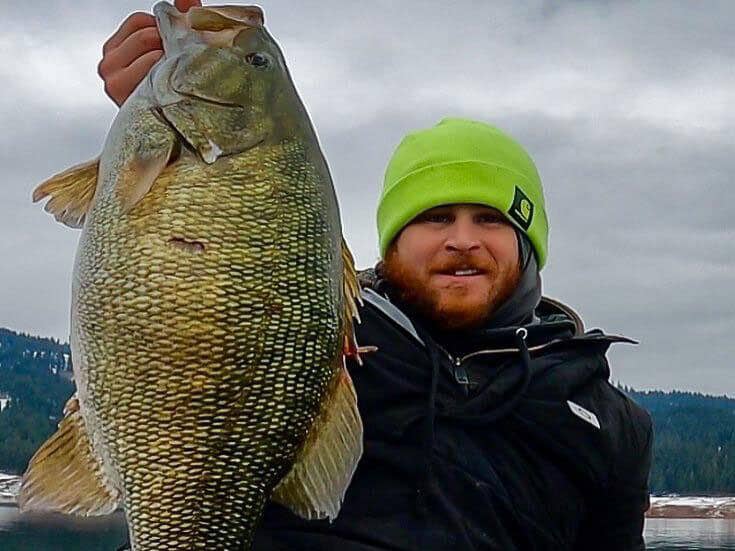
(694, 446)
(35, 382)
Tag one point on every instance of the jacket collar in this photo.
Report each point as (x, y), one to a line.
(553, 322)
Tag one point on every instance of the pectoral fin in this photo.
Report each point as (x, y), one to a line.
(65, 476)
(138, 176)
(71, 192)
(316, 485)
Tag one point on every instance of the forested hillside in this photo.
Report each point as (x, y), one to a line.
(694, 447)
(35, 378)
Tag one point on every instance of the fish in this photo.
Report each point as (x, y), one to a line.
(213, 303)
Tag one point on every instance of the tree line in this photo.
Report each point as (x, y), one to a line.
(694, 441)
(694, 444)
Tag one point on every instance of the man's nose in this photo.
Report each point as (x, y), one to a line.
(462, 236)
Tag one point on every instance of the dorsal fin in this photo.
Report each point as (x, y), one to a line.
(71, 193)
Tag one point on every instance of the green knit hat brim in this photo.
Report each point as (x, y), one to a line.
(472, 182)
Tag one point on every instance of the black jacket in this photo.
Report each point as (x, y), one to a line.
(520, 444)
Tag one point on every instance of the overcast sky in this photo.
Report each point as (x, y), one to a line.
(626, 107)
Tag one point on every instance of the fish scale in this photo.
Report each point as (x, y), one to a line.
(211, 300)
(221, 408)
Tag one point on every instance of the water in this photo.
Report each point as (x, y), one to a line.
(58, 533)
(664, 534)
(36, 532)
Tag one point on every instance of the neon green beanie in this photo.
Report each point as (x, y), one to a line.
(462, 161)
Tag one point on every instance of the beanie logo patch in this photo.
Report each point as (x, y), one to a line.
(522, 209)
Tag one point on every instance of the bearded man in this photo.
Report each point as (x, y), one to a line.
(489, 419)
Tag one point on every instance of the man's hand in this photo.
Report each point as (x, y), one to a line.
(128, 55)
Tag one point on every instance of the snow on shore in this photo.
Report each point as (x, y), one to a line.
(9, 485)
(692, 507)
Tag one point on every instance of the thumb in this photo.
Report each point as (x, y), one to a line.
(184, 5)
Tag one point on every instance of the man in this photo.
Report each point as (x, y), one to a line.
(489, 419)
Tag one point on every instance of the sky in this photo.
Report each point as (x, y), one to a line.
(626, 108)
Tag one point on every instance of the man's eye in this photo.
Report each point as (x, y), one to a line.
(437, 218)
(491, 219)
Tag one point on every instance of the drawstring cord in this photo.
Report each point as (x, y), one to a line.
(495, 414)
(429, 435)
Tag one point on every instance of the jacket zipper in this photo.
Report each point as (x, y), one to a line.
(507, 350)
(460, 373)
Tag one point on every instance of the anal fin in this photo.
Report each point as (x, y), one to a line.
(65, 476)
(316, 485)
(71, 192)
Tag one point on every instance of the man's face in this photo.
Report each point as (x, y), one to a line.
(455, 264)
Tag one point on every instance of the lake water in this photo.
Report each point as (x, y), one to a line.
(56, 533)
(692, 534)
(34, 532)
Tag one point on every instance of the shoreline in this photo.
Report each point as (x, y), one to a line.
(689, 513)
(9, 484)
(662, 507)
(692, 507)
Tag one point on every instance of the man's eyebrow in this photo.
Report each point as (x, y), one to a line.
(489, 210)
(436, 210)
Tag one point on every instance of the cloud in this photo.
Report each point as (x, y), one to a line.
(625, 106)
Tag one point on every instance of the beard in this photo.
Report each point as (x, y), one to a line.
(448, 309)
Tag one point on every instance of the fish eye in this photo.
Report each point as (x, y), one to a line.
(257, 59)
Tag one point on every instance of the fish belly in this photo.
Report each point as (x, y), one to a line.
(207, 323)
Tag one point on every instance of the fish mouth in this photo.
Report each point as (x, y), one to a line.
(220, 18)
(211, 101)
(213, 25)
